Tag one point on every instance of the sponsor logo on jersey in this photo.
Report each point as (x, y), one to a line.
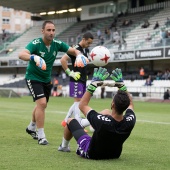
(54, 53)
(104, 118)
(129, 118)
(79, 92)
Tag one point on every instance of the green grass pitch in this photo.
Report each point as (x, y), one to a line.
(148, 147)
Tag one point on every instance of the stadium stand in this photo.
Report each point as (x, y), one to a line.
(30, 35)
(134, 36)
(76, 30)
(4, 78)
(14, 82)
(130, 32)
(65, 32)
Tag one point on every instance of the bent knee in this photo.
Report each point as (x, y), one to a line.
(69, 120)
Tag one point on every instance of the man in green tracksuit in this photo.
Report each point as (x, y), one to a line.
(41, 54)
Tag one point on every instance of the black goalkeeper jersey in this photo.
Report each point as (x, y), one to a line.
(109, 135)
(82, 70)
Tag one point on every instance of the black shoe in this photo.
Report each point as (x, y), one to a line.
(32, 133)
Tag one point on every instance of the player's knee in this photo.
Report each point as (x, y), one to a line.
(84, 123)
(43, 105)
(69, 120)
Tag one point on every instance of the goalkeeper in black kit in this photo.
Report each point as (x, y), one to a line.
(112, 127)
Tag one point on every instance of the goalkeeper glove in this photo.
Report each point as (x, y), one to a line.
(39, 61)
(75, 75)
(81, 61)
(118, 78)
(99, 76)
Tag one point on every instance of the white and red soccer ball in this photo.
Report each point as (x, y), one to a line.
(100, 56)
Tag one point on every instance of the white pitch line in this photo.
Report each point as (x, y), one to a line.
(138, 120)
(148, 121)
(145, 121)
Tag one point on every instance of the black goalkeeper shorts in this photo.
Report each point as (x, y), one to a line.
(39, 89)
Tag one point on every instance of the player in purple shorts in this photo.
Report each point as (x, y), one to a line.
(77, 89)
(82, 138)
(111, 127)
(78, 79)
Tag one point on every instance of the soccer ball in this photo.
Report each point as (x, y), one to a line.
(100, 56)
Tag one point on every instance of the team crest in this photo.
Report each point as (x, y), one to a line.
(54, 53)
(42, 54)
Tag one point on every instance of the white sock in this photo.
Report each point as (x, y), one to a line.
(32, 126)
(65, 143)
(70, 112)
(41, 133)
(76, 111)
(84, 123)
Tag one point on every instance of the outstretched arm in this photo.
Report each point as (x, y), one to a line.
(73, 51)
(24, 55)
(99, 76)
(131, 106)
(83, 105)
(81, 60)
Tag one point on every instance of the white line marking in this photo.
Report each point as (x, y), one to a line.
(62, 112)
(145, 121)
(148, 121)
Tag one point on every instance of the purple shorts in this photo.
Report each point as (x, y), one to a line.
(77, 89)
(83, 146)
